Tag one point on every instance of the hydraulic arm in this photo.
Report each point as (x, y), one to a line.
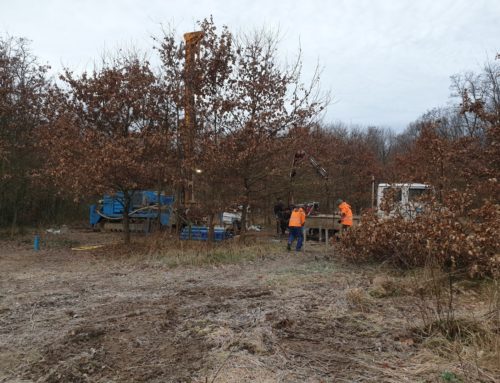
(298, 158)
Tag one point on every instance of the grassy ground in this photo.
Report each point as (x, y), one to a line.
(167, 311)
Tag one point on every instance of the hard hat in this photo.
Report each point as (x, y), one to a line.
(339, 201)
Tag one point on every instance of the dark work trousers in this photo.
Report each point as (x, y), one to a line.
(295, 232)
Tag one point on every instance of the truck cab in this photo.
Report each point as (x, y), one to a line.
(401, 199)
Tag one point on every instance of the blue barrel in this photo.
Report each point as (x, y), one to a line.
(36, 243)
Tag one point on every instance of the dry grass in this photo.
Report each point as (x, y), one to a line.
(164, 249)
(458, 323)
(265, 316)
(200, 254)
(358, 298)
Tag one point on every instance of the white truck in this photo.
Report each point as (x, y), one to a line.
(401, 199)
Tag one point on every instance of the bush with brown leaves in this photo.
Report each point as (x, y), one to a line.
(450, 236)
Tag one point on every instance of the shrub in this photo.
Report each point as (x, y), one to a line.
(449, 235)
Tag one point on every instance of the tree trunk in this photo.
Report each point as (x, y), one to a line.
(244, 212)
(19, 195)
(211, 230)
(269, 206)
(244, 221)
(13, 225)
(178, 210)
(159, 206)
(328, 197)
(126, 221)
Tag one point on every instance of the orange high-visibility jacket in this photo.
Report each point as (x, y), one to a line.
(345, 214)
(297, 219)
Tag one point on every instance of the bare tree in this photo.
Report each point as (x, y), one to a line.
(267, 100)
(23, 90)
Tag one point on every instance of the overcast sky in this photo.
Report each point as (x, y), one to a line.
(385, 61)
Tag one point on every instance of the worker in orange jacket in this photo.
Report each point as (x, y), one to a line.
(297, 221)
(345, 214)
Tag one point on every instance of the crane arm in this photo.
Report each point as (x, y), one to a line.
(321, 170)
(299, 156)
(297, 159)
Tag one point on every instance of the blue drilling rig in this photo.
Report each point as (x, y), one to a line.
(147, 209)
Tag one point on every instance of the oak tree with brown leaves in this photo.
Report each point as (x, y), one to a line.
(245, 102)
(108, 133)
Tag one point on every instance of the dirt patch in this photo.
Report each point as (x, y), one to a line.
(125, 341)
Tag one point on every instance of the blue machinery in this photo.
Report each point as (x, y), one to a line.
(143, 210)
(143, 213)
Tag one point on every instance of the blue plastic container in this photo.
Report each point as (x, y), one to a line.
(36, 243)
(200, 233)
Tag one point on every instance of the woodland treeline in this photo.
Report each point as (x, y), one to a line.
(122, 126)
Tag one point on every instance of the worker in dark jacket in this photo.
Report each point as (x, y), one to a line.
(284, 218)
(279, 209)
(297, 221)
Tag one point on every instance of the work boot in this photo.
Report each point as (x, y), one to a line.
(288, 247)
